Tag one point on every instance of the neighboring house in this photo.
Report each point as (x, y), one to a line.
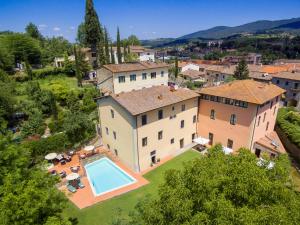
(193, 75)
(290, 81)
(251, 58)
(184, 66)
(260, 76)
(144, 54)
(143, 127)
(89, 56)
(241, 114)
(217, 74)
(116, 78)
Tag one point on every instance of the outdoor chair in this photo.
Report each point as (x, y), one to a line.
(63, 162)
(63, 174)
(81, 185)
(68, 158)
(71, 188)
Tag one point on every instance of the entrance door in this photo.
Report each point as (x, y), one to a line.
(153, 157)
(211, 138)
(181, 143)
(257, 152)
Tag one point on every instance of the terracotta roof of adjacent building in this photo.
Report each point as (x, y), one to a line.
(147, 99)
(272, 142)
(193, 74)
(260, 76)
(225, 69)
(127, 67)
(245, 90)
(288, 75)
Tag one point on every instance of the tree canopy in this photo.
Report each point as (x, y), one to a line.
(223, 189)
(33, 31)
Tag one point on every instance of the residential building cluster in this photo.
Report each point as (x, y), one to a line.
(143, 120)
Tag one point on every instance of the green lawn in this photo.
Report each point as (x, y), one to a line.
(102, 213)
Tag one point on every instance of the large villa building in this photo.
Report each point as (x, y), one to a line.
(241, 114)
(144, 126)
(117, 78)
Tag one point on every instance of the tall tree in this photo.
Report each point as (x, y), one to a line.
(94, 37)
(28, 69)
(176, 68)
(101, 48)
(241, 71)
(81, 35)
(33, 31)
(125, 52)
(112, 55)
(224, 189)
(78, 71)
(119, 53)
(106, 46)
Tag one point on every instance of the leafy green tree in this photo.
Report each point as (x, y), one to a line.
(81, 65)
(125, 52)
(22, 47)
(7, 100)
(68, 65)
(34, 125)
(241, 72)
(106, 46)
(72, 101)
(81, 35)
(28, 69)
(112, 55)
(78, 127)
(33, 31)
(119, 53)
(6, 58)
(223, 189)
(133, 40)
(229, 79)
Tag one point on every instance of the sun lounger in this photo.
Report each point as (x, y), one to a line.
(71, 188)
(81, 185)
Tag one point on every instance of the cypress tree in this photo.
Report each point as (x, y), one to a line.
(106, 46)
(128, 49)
(112, 56)
(125, 53)
(119, 54)
(101, 48)
(241, 71)
(93, 33)
(77, 68)
(176, 68)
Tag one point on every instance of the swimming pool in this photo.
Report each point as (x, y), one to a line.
(105, 176)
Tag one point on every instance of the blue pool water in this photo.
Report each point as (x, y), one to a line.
(105, 176)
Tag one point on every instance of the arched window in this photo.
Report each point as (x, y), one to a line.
(233, 119)
(212, 114)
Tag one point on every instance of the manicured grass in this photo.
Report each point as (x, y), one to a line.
(103, 213)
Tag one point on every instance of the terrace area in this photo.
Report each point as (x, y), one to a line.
(84, 197)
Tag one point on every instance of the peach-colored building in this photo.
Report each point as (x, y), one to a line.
(143, 127)
(241, 114)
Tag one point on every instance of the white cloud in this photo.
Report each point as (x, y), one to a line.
(72, 28)
(153, 32)
(56, 28)
(42, 26)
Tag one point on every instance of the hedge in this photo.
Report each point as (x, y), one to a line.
(289, 121)
(47, 71)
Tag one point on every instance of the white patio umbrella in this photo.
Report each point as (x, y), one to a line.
(201, 140)
(72, 176)
(227, 150)
(51, 156)
(89, 148)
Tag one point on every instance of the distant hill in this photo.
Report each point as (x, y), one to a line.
(254, 27)
(156, 42)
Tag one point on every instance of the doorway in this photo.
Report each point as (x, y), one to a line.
(257, 152)
(181, 143)
(153, 156)
(211, 138)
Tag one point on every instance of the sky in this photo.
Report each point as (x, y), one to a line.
(148, 19)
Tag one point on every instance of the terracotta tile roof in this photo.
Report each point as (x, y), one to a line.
(288, 75)
(260, 75)
(147, 99)
(222, 69)
(193, 74)
(245, 90)
(127, 67)
(267, 142)
(136, 49)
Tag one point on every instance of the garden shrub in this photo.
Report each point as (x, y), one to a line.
(289, 121)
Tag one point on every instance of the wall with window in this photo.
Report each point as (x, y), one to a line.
(127, 81)
(118, 130)
(266, 118)
(226, 121)
(291, 86)
(105, 80)
(147, 56)
(163, 130)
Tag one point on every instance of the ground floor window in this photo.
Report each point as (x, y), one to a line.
(116, 152)
(230, 143)
(211, 138)
(193, 136)
(153, 156)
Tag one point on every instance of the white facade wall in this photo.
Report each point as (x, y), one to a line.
(147, 56)
(140, 83)
(190, 66)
